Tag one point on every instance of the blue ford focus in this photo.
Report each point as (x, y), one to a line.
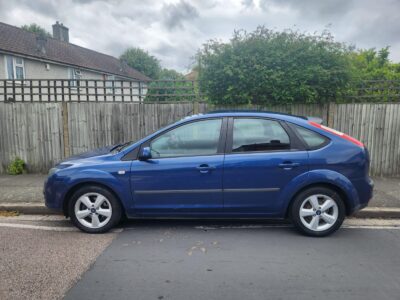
(219, 165)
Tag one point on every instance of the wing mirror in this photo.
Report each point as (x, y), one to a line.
(145, 153)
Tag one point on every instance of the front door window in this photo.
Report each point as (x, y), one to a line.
(193, 139)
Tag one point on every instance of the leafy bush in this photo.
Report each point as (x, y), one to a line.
(16, 167)
(266, 67)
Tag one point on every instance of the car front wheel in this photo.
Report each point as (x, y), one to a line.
(318, 211)
(94, 209)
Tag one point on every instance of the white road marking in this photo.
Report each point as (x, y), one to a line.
(351, 223)
(28, 226)
(49, 228)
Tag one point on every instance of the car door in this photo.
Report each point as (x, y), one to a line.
(184, 175)
(262, 158)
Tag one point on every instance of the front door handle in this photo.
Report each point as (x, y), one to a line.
(288, 165)
(204, 168)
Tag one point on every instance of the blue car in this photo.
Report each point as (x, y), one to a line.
(219, 165)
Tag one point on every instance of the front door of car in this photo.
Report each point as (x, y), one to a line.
(262, 158)
(184, 173)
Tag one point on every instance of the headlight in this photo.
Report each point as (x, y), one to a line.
(52, 171)
(59, 167)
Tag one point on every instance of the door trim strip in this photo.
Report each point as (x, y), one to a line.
(177, 191)
(252, 190)
(207, 191)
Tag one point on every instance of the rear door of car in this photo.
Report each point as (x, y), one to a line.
(262, 156)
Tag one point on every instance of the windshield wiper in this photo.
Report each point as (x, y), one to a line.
(119, 147)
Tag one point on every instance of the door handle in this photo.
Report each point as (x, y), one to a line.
(288, 165)
(204, 168)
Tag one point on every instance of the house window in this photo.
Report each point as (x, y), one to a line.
(75, 75)
(109, 83)
(15, 67)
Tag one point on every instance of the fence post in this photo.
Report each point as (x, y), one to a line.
(141, 112)
(64, 113)
(330, 114)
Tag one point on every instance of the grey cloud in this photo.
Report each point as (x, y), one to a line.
(313, 8)
(248, 3)
(110, 26)
(175, 14)
(379, 30)
(47, 8)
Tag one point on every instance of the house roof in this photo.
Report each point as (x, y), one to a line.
(19, 41)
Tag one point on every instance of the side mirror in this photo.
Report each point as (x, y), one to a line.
(145, 153)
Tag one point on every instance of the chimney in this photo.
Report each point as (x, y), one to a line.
(60, 32)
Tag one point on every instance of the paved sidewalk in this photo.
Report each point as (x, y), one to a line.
(27, 190)
(22, 188)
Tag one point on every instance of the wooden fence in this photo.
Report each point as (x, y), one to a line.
(44, 133)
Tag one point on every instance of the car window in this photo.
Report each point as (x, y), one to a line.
(313, 139)
(258, 135)
(198, 138)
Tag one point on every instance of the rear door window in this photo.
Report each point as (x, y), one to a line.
(252, 134)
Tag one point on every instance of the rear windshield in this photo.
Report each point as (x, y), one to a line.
(312, 139)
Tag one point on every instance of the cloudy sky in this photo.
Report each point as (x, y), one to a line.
(173, 30)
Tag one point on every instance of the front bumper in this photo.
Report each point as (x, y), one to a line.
(53, 193)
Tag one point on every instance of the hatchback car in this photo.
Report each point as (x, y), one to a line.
(219, 165)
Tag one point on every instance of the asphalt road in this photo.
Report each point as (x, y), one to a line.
(44, 257)
(242, 260)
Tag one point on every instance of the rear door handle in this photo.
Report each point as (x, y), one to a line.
(288, 165)
(204, 168)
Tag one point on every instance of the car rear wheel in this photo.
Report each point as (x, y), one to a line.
(94, 209)
(318, 211)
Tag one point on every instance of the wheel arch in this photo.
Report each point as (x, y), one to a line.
(343, 195)
(79, 185)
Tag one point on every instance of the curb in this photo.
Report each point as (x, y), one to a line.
(378, 212)
(29, 208)
(34, 208)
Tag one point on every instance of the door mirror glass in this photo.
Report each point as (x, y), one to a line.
(145, 153)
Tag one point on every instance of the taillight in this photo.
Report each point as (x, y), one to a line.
(338, 133)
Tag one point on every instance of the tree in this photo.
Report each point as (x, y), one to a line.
(375, 77)
(374, 65)
(142, 61)
(267, 66)
(35, 28)
(171, 86)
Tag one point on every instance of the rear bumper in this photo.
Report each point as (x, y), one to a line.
(365, 190)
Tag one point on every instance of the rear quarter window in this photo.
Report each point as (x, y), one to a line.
(312, 139)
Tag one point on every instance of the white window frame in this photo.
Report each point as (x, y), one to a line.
(14, 67)
(74, 77)
(109, 85)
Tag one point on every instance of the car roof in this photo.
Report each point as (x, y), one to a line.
(248, 113)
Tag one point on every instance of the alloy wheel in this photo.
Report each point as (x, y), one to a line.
(318, 212)
(93, 210)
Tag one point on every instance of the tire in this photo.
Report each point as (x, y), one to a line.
(318, 211)
(91, 217)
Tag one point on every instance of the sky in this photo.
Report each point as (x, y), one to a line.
(173, 31)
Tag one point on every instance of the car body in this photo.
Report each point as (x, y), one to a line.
(220, 165)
